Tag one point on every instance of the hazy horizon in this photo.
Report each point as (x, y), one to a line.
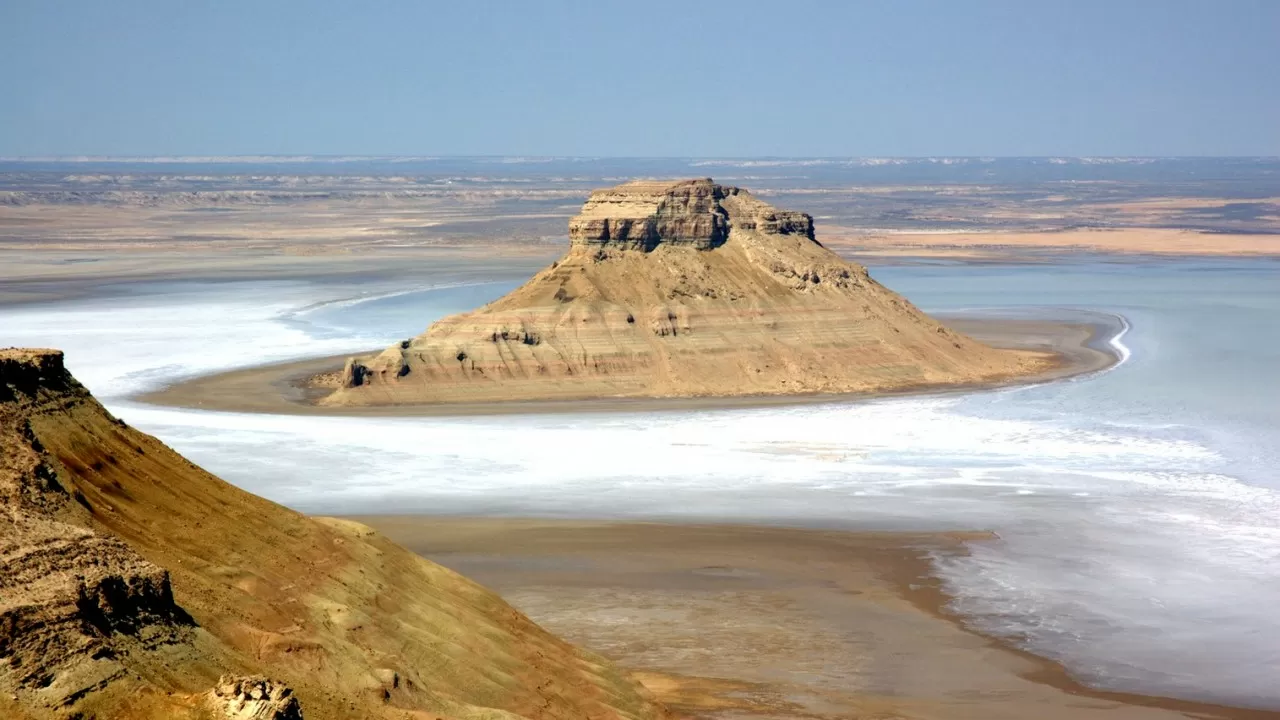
(529, 157)
(812, 79)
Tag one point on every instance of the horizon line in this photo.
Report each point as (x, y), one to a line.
(341, 158)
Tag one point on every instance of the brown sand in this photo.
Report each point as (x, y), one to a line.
(48, 250)
(131, 580)
(738, 621)
(681, 288)
(51, 275)
(1009, 245)
(284, 388)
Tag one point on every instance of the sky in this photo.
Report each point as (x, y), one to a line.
(654, 78)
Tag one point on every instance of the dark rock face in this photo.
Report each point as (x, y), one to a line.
(71, 600)
(127, 602)
(71, 597)
(353, 374)
(778, 222)
(24, 371)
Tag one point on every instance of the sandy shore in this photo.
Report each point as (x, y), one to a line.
(283, 388)
(997, 246)
(742, 621)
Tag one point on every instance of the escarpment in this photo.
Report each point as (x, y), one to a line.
(696, 213)
(681, 288)
(134, 584)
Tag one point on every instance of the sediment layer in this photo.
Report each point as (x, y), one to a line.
(134, 584)
(684, 288)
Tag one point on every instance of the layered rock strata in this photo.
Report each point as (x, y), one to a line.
(131, 581)
(253, 698)
(685, 288)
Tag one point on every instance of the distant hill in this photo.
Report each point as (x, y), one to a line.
(681, 288)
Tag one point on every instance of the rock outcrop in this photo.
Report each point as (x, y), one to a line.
(695, 213)
(685, 288)
(132, 580)
(74, 606)
(253, 698)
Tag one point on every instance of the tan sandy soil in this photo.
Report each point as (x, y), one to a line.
(130, 580)
(50, 276)
(1007, 245)
(300, 226)
(287, 388)
(681, 288)
(1184, 203)
(50, 252)
(69, 244)
(727, 621)
(1011, 209)
(677, 605)
(1163, 210)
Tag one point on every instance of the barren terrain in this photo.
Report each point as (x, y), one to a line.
(724, 621)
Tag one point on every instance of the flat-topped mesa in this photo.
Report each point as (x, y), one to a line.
(644, 214)
(680, 288)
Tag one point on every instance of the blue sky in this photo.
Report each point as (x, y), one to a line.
(794, 78)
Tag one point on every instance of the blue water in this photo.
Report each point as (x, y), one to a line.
(1138, 509)
(1205, 344)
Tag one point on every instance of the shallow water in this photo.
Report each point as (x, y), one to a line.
(1138, 509)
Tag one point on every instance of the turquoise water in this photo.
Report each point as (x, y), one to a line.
(1138, 510)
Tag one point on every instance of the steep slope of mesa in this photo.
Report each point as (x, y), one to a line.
(683, 288)
(131, 581)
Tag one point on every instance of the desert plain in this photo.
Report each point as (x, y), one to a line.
(715, 620)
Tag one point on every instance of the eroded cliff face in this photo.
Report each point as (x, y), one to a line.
(696, 213)
(131, 581)
(684, 288)
(79, 610)
(75, 607)
(253, 698)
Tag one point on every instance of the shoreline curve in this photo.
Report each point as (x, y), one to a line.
(1086, 344)
(875, 578)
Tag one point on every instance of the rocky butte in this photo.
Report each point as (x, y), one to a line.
(681, 288)
(133, 584)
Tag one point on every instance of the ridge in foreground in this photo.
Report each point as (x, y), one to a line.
(135, 584)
